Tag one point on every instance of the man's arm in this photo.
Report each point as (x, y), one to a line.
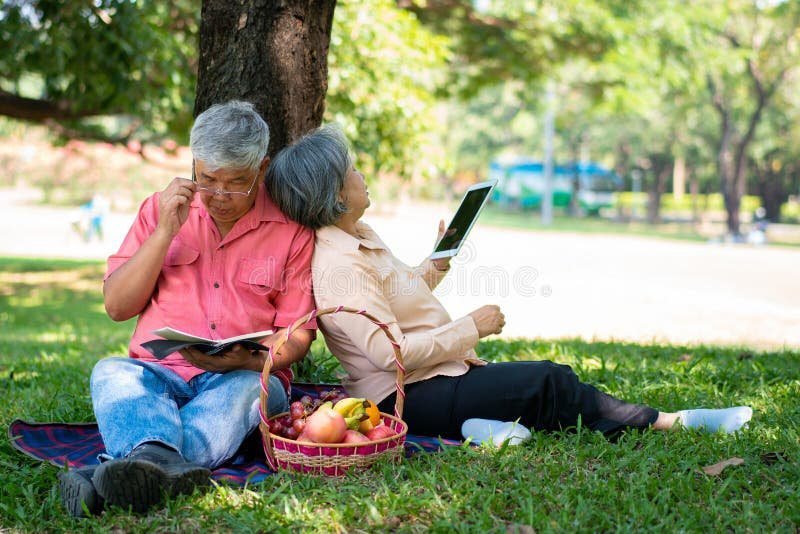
(128, 289)
(240, 358)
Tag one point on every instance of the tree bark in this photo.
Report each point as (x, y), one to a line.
(661, 169)
(31, 109)
(273, 53)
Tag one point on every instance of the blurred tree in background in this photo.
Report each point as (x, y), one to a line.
(432, 90)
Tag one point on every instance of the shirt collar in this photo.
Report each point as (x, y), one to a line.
(336, 236)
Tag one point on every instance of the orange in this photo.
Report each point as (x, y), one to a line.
(373, 413)
(374, 417)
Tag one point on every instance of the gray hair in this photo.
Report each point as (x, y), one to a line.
(230, 136)
(305, 178)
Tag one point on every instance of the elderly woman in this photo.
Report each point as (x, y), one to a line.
(314, 182)
(215, 257)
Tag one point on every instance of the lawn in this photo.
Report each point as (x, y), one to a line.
(54, 329)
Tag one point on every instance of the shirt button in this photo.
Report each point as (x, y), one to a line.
(216, 284)
(213, 326)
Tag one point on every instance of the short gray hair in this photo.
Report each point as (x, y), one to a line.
(230, 136)
(305, 178)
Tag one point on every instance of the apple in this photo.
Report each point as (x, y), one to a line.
(380, 432)
(354, 436)
(325, 426)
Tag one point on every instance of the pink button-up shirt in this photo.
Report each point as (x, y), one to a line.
(257, 278)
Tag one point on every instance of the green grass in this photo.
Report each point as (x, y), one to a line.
(54, 329)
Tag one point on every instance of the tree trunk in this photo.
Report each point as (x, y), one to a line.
(575, 150)
(726, 176)
(272, 53)
(662, 169)
(770, 185)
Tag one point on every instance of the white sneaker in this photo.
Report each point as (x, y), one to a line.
(494, 432)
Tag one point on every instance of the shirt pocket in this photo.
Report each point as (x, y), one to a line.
(179, 276)
(260, 278)
(180, 254)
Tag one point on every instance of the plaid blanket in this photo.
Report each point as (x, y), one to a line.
(78, 444)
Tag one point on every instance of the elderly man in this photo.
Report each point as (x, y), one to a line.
(215, 257)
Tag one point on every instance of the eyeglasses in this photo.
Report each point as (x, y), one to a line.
(215, 191)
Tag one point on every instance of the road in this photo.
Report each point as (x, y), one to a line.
(549, 284)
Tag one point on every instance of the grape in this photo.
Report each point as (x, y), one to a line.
(286, 420)
(297, 410)
(306, 400)
(291, 433)
(299, 425)
(276, 427)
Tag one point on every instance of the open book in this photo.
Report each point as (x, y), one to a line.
(175, 340)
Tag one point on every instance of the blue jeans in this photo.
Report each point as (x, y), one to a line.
(205, 419)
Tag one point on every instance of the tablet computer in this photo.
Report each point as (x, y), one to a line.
(466, 215)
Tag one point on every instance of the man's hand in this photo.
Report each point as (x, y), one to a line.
(237, 357)
(173, 205)
(488, 320)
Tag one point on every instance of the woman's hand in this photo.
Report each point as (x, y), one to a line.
(488, 320)
(173, 205)
(441, 264)
(237, 357)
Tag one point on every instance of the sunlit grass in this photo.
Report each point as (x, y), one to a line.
(53, 329)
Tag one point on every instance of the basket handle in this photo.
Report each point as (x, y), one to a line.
(313, 314)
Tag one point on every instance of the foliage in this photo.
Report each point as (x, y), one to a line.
(55, 330)
(383, 70)
(107, 57)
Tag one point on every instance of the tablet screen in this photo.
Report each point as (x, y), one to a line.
(463, 219)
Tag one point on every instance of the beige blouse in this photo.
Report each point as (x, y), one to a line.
(362, 273)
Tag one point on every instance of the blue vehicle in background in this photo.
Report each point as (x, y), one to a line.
(520, 184)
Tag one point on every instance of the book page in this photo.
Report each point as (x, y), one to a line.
(255, 336)
(176, 335)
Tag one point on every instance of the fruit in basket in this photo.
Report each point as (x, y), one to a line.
(374, 417)
(325, 426)
(353, 410)
(380, 432)
(354, 436)
(299, 425)
(350, 406)
(297, 410)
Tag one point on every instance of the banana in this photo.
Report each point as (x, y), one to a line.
(354, 421)
(350, 406)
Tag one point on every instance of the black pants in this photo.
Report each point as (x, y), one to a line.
(543, 395)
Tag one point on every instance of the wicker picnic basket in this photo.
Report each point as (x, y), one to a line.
(326, 458)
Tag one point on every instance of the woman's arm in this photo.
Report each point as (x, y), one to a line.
(434, 271)
(363, 290)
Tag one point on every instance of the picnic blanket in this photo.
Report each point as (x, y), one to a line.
(78, 444)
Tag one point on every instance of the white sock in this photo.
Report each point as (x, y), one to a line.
(495, 432)
(727, 419)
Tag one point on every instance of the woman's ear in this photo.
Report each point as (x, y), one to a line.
(262, 169)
